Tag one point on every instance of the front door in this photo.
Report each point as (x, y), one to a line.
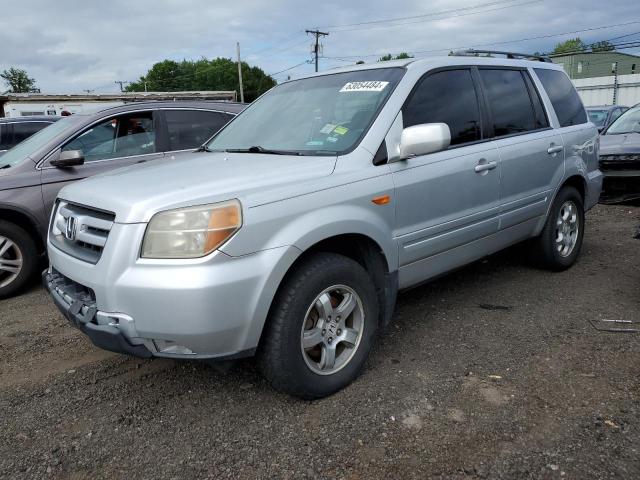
(446, 199)
(111, 143)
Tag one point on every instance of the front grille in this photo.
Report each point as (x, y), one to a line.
(625, 161)
(80, 231)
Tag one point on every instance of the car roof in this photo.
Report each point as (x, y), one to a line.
(228, 107)
(30, 118)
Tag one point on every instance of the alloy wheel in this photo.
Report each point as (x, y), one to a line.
(332, 329)
(10, 261)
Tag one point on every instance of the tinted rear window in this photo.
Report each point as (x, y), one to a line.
(564, 98)
(22, 131)
(510, 103)
(191, 128)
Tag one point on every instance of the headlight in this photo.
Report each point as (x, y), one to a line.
(191, 232)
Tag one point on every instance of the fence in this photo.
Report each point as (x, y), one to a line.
(600, 90)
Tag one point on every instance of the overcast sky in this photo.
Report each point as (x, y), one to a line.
(72, 45)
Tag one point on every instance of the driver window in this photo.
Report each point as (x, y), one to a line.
(123, 136)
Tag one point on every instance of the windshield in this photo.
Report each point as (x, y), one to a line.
(26, 148)
(598, 117)
(325, 115)
(628, 122)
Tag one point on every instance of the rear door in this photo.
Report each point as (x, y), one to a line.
(449, 198)
(189, 129)
(531, 152)
(110, 143)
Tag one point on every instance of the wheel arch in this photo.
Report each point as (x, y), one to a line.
(25, 221)
(364, 250)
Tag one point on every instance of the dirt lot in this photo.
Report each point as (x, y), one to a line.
(491, 372)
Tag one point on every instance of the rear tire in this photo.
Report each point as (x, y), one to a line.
(18, 259)
(558, 245)
(321, 327)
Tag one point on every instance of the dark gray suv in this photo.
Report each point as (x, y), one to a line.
(79, 146)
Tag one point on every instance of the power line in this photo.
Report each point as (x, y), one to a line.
(539, 37)
(411, 17)
(371, 27)
(121, 83)
(316, 48)
(290, 68)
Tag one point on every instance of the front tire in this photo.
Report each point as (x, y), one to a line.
(558, 246)
(18, 259)
(321, 327)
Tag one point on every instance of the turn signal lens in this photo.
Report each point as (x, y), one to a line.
(191, 232)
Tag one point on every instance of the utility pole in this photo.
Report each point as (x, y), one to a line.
(240, 73)
(316, 48)
(615, 83)
(121, 83)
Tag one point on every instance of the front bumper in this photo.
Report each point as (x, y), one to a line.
(206, 308)
(78, 306)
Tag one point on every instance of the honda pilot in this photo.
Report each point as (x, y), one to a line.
(290, 234)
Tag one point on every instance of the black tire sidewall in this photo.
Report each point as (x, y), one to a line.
(27, 247)
(320, 272)
(554, 259)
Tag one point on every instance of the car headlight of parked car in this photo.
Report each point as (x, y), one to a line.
(191, 232)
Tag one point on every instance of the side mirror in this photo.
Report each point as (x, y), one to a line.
(423, 139)
(68, 158)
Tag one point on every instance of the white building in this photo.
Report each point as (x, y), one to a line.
(26, 104)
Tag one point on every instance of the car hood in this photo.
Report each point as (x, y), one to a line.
(619, 144)
(136, 193)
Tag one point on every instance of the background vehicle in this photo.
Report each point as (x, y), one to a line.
(79, 146)
(620, 158)
(290, 236)
(604, 116)
(15, 130)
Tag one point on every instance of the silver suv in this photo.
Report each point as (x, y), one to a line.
(289, 237)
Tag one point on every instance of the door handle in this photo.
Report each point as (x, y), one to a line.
(484, 166)
(553, 149)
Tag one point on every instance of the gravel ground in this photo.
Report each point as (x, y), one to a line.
(491, 372)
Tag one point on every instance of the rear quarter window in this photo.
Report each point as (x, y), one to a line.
(564, 98)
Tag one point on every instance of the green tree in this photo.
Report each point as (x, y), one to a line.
(19, 81)
(570, 46)
(203, 74)
(603, 46)
(400, 56)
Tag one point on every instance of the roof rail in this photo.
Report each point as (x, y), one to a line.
(510, 55)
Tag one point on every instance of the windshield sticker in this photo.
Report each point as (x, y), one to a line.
(374, 86)
(340, 130)
(332, 139)
(328, 128)
(315, 143)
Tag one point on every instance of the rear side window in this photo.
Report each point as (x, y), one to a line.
(22, 131)
(511, 105)
(191, 128)
(564, 98)
(448, 97)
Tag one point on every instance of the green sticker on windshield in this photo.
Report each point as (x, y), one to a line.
(340, 130)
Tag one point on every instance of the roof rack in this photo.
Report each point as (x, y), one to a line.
(511, 55)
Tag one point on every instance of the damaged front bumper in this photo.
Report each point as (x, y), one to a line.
(110, 331)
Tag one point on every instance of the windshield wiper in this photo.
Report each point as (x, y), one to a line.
(5, 166)
(259, 149)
